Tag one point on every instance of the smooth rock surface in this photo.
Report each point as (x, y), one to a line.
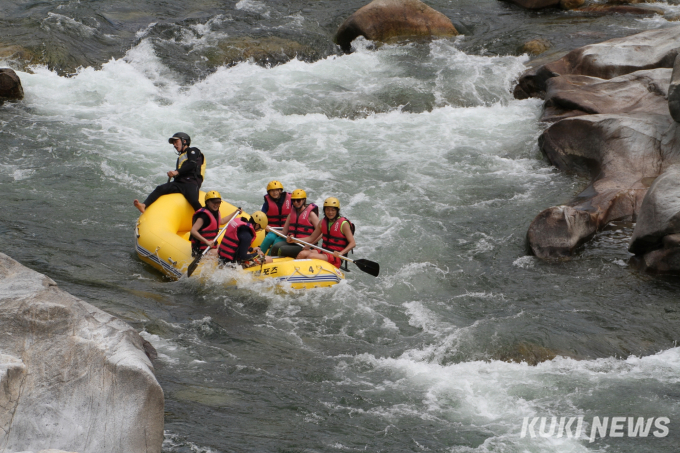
(647, 50)
(72, 377)
(674, 91)
(383, 20)
(10, 86)
(623, 153)
(659, 214)
(573, 95)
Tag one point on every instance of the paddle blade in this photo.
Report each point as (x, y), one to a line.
(194, 265)
(370, 267)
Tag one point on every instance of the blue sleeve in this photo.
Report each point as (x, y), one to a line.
(265, 206)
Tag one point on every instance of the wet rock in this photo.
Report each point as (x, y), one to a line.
(647, 50)
(72, 376)
(622, 153)
(10, 86)
(529, 353)
(535, 46)
(536, 4)
(573, 95)
(571, 4)
(674, 91)
(621, 9)
(387, 20)
(267, 51)
(659, 215)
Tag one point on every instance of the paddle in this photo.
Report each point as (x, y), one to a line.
(370, 267)
(194, 263)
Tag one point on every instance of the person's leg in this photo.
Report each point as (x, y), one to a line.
(190, 192)
(269, 240)
(163, 189)
(290, 250)
(276, 248)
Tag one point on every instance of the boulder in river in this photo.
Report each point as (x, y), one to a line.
(266, 51)
(536, 4)
(659, 215)
(647, 50)
(535, 46)
(386, 20)
(72, 377)
(637, 92)
(623, 153)
(674, 91)
(10, 86)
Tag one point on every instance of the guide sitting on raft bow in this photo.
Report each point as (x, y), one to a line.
(337, 232)
(238, 239)
(301, 222)
(188, 174)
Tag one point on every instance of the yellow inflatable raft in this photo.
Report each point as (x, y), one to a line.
(162, 241)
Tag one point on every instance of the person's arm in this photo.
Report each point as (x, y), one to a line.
(286, 225)
(310, 239)
(265, 206)
(194, 232)
(347, 231)
(314, 219)
(227, 219)
(245, 237)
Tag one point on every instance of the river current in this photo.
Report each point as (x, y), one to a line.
(431, 157)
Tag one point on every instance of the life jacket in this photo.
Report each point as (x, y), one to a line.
(334, 240)
(229, 243)
(300, 226)
(208, 231)
(199, 172)
(276, 218)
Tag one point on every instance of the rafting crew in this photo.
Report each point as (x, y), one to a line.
(206, 223)
(238, 238)
(301, 222)
(277, 205)
(337, 233)
(188, 174)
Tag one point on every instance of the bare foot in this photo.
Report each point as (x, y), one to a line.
(140, 206)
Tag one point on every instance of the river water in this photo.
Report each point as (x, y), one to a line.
(433, 160)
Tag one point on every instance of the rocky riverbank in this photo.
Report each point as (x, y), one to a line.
(612, 119)
(72, 377)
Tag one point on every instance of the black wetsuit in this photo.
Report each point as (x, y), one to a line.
(187, 182)
(245, 238)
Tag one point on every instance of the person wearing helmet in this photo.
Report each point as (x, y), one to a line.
(206, 223)
(301, 222)
(188, 174)
(236, 243)
(277, 205)
(337, 233)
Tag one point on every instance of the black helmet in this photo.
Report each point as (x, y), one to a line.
(186, 140)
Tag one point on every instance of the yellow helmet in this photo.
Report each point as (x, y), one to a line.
(331, 202)
(260, 218)
(274, 185)
(298, 194)
(212, 195)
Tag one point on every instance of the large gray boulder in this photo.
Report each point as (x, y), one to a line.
(623, 153)
(643, 91)
(659, 214)
(72, 377)
(384, 20)
(647, 50)
(674, 91)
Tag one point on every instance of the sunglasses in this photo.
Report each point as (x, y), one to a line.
(298, 199)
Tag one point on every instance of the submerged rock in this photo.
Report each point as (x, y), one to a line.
(10, 86)
(536, 4)
(385, 20)
(573, 95)
(267, 51)
(621, 9)
(72, 377)
(647, 50)
(535, 46)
